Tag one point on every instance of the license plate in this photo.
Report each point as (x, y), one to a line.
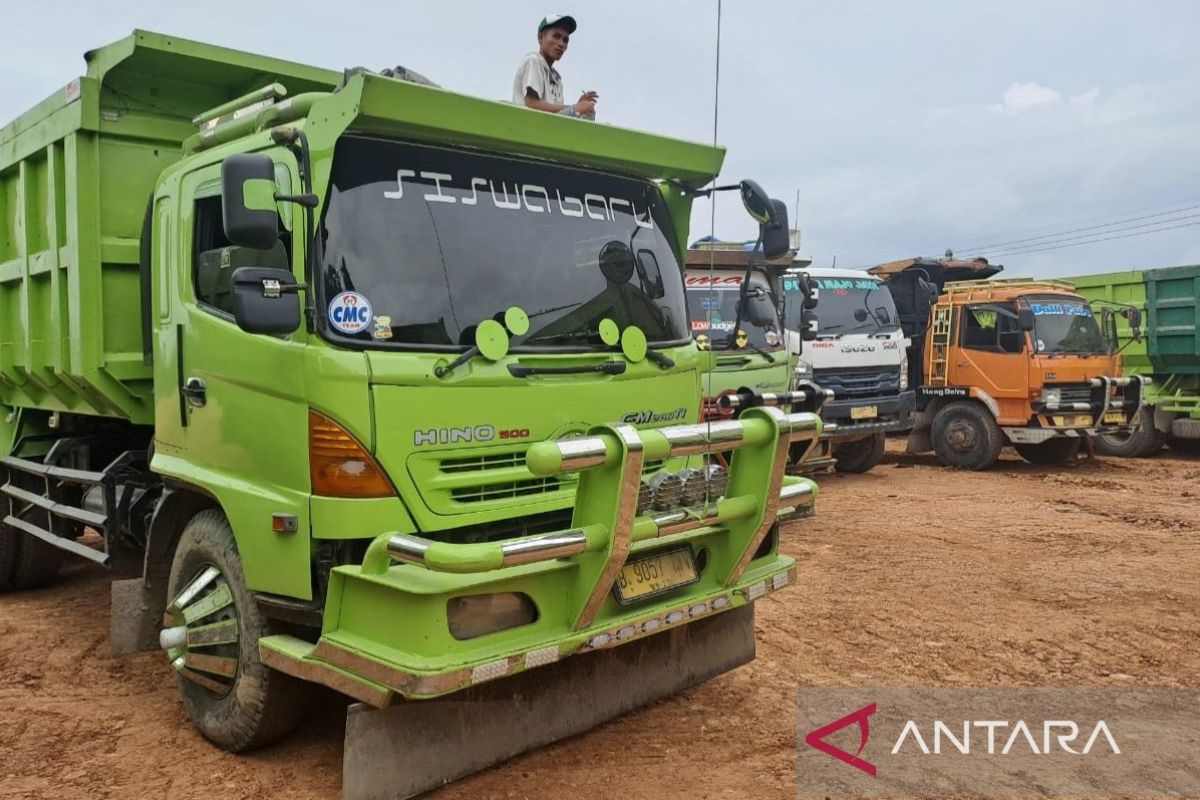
(655, 574)
(1115, 417)
(864, 412)
(1077, 421)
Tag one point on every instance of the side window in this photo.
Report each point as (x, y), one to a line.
(992, 328)
(214, 259)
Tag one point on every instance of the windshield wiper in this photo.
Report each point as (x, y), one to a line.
(658, 357)
(470, 353)
(563, 337)
(728, 346)
(606, 368)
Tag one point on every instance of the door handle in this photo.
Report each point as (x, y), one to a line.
(195, 391)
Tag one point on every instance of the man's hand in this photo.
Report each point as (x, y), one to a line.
(586, 106)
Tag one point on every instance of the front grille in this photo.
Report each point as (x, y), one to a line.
(854, 383)
(1073, 393)
(489, 478)
(477, 463)
(495, 491)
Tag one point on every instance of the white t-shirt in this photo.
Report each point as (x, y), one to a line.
(537, 74)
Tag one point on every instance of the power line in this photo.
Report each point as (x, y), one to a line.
(1002, 252)
(1115, 223)
(872, 257)
(1102, 239)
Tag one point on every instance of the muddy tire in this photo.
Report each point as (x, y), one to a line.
(255, 705)
(26, 562)
(1059, 450)
(1142, 443)
(965, 435)
(860, 456)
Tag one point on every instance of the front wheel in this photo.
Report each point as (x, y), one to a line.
(1059, 450)
(861, 455)
(212, 628)
(1142, 442)
(965, 435)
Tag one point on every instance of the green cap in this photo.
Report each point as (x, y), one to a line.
(557, 20)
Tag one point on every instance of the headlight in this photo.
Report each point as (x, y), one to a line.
(803, 370)
(1051, 397)
(903, 371)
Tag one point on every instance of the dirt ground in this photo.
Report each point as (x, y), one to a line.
(911, 575)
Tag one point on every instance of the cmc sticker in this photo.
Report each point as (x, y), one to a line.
(350, 312)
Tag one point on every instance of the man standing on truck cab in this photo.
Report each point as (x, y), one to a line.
(538, 84)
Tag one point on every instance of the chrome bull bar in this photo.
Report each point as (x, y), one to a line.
(606, 523)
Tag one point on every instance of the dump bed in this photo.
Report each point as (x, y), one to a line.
(1167, 298)
(1173, 338)
(76, 174)
(1128, 288)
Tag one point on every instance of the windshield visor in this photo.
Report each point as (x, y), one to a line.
(713, 310)
(421, 244)
(839, 299)
(1062, 325)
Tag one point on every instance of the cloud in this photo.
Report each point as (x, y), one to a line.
(1086, 98)
(1021, 97)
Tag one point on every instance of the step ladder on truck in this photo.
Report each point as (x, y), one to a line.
(451, 468)
(1031, 364)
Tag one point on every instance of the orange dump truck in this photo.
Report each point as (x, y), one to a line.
(1030, 364)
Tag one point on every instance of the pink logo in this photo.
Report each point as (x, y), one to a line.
(816, 739)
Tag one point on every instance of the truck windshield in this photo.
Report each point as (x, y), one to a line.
(847, 305)
(432, 241)
(1065, 325)
(713, 309)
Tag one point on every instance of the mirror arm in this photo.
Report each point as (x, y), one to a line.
(297, 142)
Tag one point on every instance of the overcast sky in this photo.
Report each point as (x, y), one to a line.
(906, 127)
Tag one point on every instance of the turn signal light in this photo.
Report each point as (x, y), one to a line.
(340, 466)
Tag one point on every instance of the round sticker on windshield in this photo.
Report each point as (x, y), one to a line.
(772, 338)
(350, 312)
(610, 334)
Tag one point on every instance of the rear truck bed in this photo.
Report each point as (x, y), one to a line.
(386, 635)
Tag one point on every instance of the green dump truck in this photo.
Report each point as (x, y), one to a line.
(383, 387)
(1168, 352)
(743, 329)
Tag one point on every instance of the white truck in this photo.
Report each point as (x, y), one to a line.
(859, 354)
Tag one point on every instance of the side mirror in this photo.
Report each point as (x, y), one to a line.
(1025, 319)
(756, 201)
(775, 238)
(809, 332)
(881, 314)
(757, 309)
(928, 289)
(265, 300)
(248, 200)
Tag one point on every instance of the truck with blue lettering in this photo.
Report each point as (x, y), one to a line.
(857, 353)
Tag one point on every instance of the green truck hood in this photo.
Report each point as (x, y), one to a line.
(456, 451)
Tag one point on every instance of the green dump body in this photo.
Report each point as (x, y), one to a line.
(1170, 345)
(76, 175)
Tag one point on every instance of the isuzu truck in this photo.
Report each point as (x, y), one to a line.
(379, 386)
(858, 354)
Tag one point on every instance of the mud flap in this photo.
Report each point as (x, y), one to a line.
(412, 747)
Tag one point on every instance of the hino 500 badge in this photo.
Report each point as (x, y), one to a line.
(350, 312)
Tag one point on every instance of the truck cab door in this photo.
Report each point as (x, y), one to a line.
(991, 352)
(241, 427)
